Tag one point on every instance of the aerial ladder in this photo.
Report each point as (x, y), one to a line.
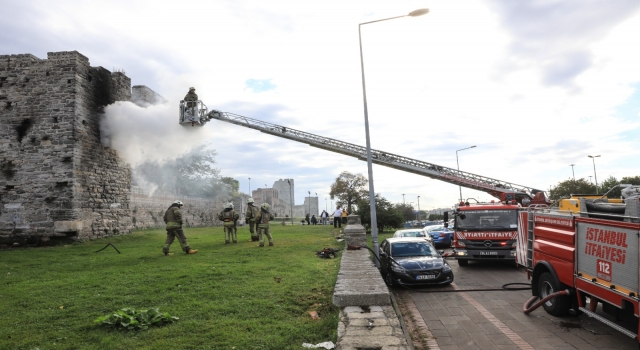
(503, 190)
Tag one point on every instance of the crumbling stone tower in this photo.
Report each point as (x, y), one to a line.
(56, 178)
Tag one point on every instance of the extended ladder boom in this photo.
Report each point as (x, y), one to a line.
(497, 188)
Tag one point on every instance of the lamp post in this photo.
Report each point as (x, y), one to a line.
(250, 188)
(573, 172)
(325, 205)
(419, 208)
(593, 158)
(590, 179)
(458, 163)
(372, 198)
(403, 199)
(309, 202)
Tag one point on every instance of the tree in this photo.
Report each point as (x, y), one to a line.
(192, 174)
(388, 215)
(608, 184)
(565, 189)
(233, 184)
(348, 189)
(407, 211)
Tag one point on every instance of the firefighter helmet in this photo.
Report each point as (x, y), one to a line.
(229, 206)
(250, 200)
(178, 203)
(265, 206)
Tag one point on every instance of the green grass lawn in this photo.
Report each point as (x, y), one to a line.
(235, 296)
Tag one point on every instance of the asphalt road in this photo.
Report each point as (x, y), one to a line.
(494, 319)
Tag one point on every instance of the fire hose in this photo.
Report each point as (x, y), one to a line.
(527, 307)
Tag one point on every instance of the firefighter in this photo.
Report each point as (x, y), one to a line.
(250, 218)
(191, 99)
(173, 219)
(229, 218)
(263, 224)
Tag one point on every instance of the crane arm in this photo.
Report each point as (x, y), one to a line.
(497, 188)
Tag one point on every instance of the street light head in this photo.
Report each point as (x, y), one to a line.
(472, 146)
(418, 12)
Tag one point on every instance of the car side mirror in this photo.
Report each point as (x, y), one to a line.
(383, 254)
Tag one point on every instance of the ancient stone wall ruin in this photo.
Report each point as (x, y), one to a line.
(56, 179)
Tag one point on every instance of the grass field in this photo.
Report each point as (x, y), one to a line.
(235, 296)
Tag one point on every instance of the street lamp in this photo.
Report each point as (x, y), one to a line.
(573, 172)
(325, 205)
(403, 199)
(590, 179)
(593, 158)
(460, 187)
(250, 188)
(372, 198)
(418, 208)
(291, 200)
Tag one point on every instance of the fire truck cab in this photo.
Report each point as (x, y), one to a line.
(484, 231)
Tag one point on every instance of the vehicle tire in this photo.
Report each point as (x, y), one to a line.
(558, 306)
(463, 262)
(450, 242)
(388, 279)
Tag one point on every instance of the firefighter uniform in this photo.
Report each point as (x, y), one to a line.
(191, 97)
(263, 224)
(228, 217)
(173, 221)
(252, 214)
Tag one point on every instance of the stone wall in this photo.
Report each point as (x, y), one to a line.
(56, 178)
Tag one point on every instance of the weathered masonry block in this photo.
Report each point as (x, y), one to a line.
(56, 178)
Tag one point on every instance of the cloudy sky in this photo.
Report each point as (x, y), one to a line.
(535, 85)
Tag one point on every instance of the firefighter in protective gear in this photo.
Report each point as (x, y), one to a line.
(263, 224)
(191, 97)
(229, 217)
(173, 220)
(250, 218)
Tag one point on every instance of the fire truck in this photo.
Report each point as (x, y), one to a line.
(583, 254)
(482, 230)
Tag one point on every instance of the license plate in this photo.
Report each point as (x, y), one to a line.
(425, 277)
(488, 253)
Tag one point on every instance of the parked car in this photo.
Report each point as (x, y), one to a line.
(412, 261)
(413, 233)
(440, 235)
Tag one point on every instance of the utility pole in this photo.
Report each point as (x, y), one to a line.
(403, 203)
(574, 173)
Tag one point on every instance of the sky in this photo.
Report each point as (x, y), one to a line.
(536, 86)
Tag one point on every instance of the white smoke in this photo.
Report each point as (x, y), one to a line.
(149, 134)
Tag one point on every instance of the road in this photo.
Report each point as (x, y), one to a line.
(449, 319)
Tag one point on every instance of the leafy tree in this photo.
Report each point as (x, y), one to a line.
(407, 211)
(388, 216)
(233, 184)
(193, 174)
(565, 189)
(608, 184)
(348, 189)
(435, 217)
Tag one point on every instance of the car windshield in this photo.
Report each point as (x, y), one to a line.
(401, 249)
(488, 219)
(409, 234)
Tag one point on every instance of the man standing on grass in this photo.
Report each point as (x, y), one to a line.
(173, 220)
(228, 217)
(263, 224)
(337, 217)
(250, 217)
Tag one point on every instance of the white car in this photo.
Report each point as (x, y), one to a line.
(414, 232)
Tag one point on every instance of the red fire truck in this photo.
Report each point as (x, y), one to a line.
(582, 254)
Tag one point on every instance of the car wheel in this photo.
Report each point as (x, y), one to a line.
(558, 306)
(451, 241)
(388, 279)
(463, 262)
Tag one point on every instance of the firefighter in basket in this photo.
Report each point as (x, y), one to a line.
(250, 218)
(228, 217)
(191, 99)
(263, 224)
